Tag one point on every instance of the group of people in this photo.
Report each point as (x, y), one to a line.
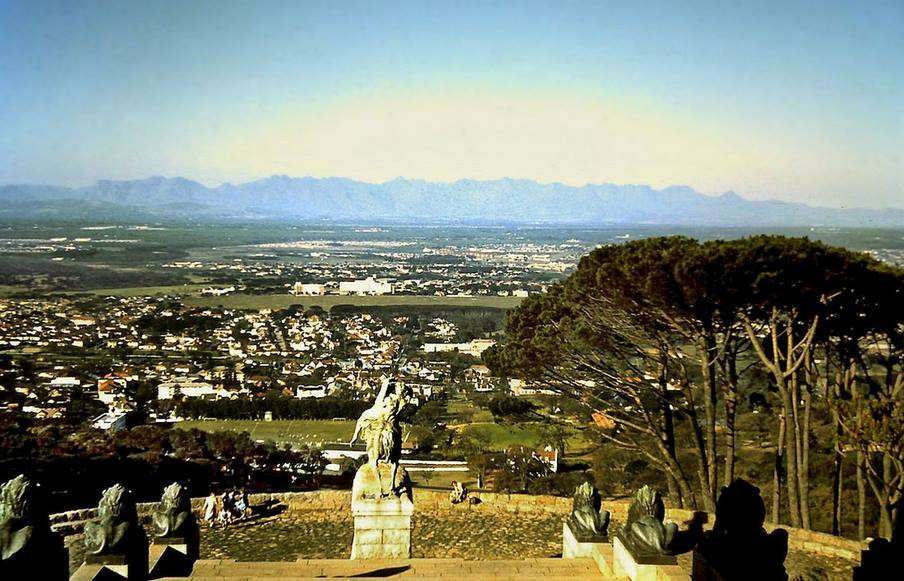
(459, 493)
(226, 508)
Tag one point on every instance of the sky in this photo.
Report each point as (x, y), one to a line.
(798, 101)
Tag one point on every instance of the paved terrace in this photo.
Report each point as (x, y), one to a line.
(421, 569)
(503, 529)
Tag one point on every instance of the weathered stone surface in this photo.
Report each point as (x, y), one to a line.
(572, 547)
(397, 536)
(625, 565)
(367, 483)
(368, 536)
(382, 527)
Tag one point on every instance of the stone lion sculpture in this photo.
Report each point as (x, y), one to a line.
(644, 532)
(174, 514)
(28, 550)
(16, 523)
(118, 522)
(587, 518)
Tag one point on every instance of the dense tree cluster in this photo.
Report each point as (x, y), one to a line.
(73, 464)
(282, 408)
(506, 406)
(658, 336)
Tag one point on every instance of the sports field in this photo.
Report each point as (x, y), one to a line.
(295, 432)
(317, 432)
(141, 291)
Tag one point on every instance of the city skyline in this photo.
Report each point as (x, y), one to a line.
(799, 102)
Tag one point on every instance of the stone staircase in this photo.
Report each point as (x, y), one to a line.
(427, 569)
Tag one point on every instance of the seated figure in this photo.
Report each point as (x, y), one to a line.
(738, 547)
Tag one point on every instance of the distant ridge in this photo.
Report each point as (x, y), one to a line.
(502, 200)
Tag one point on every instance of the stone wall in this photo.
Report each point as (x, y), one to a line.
(70, 524)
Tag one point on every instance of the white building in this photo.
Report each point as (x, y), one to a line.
(520, 387)
(368, 286)
(473, 348)
(188, 388)
(65, 382)
(310, 391)
(217, 292)
(308, 289)
(110, 421)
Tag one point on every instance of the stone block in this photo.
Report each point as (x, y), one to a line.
(624, 565)
(571, 547)
(382, 522)
(368, 536)
(603, 557)
(397, 536)
(382, 528)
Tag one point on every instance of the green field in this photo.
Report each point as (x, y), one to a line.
(141, 291)
(316, 432)
(282, 301)
(295, 432)
(502, 436)
(6, 289)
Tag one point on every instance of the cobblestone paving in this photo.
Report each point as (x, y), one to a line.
(321, 534)
(325, 535)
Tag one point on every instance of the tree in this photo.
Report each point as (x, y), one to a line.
(634, 331)
(651, 334)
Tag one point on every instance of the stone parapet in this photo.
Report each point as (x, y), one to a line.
(72, 522)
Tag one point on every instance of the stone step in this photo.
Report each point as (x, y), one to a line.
(445, 569)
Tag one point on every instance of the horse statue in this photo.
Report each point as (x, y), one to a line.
(381, 432)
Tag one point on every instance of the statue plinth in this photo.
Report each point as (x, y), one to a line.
(640, 566)
(577, 543)
(382, 523)
(642, 555)
(174, 555)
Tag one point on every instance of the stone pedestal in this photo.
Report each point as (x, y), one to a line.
(576, 546)
(132, 565)
(626, 564)
(174, 556)
(382, 510)
(382, 528)
(117, 564)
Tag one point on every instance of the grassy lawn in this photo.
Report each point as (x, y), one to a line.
(295, 432)
(138, 291)
(504, 436)
(282, 301)
(6, 289)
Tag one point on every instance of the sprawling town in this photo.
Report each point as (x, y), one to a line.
(59, 350)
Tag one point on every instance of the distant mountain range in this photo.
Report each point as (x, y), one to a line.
(504, 200)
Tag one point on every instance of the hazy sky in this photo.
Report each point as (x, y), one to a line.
(792, 100)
